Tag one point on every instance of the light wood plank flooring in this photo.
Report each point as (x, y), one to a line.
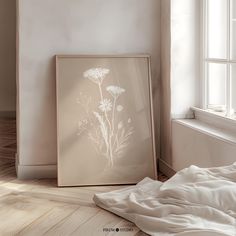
(38, 207)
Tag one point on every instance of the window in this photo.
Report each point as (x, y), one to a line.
(219, 54)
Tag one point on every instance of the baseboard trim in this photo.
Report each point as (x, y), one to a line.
(50, 171)
(7, 114)
(166, 169)
(36, 172)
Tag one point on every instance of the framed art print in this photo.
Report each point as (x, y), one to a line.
(105, 131)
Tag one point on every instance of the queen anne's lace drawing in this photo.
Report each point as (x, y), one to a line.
(105, 105)
(109, 136)
(96, 74)
(115, 91)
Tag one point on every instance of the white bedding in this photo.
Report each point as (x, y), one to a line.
(194, 202)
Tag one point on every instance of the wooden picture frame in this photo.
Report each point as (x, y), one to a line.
(105, 128)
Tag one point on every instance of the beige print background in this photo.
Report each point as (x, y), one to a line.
(104, 122)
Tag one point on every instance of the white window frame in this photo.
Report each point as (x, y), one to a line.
(206, 59)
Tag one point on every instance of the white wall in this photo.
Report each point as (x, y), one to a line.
(54, 27)
(182, 144)
(165, 127)
(193, 146)
(180, 70)
(7, 56)
(185, 56)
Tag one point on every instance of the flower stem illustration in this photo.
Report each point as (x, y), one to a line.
(110, 136)
(113, 116)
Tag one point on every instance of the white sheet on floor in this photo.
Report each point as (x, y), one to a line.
(194, 202)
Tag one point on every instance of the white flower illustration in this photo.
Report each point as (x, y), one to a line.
(109, 135)
(115, 91)
(105, 105)
(120, 125)
(119, 108)
(96, 75)
(82, 125)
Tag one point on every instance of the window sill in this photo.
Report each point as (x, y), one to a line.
(209, 130)
(215, 119)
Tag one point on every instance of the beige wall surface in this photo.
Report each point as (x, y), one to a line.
(47, 28)
(7, 55)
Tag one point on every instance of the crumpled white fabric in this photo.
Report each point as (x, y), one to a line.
(194, 202)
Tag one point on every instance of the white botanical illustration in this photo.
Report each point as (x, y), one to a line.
(109, 136)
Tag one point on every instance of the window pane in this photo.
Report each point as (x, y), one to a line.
(233, 22)
(217, 86)
(217, 29)
(233, 9)
(233, 49)
(233, 45)
(233, 74)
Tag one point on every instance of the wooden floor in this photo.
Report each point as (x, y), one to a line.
(38, 207)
